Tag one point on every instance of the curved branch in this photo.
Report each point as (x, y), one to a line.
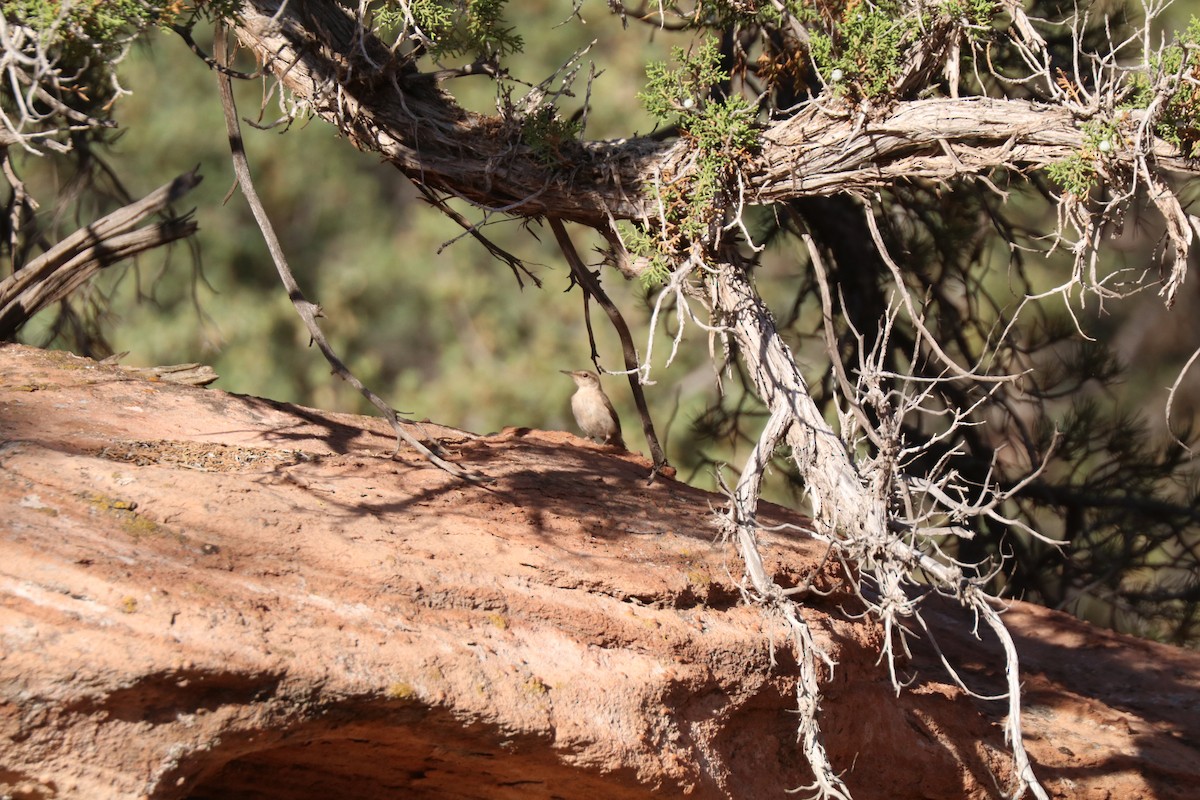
(632, 365)
(66, 266)
(404, 116)
(308, 311)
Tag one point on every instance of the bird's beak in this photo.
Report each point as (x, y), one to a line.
(565, 371)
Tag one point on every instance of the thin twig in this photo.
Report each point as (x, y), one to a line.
(63, 268)
(308, 311)
(185, 33)
(591, 287)
(514, 263)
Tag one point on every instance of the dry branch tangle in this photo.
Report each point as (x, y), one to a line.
(850, 511)
(424, 133)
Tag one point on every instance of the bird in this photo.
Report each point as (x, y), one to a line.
(593, 410)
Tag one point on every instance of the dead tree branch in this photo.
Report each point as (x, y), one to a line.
(591, 288)
(308, 311)
(851, 508)
(818, 151)
(69, 264)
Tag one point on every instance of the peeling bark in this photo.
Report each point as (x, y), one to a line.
(349, 79)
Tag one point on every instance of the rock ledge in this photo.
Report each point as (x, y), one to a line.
(211, 596)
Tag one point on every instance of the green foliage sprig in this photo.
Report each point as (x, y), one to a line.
(1077, 173)
(974, 12)
(671, 91)
(865, 52)
(1074, 174)
(1179, 119)
(724, 131)
(456, 27)
(545, 133)
(727, 125)
(87, 23)
(642, 244)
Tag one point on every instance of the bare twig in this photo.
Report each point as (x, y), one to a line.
(308, 311)
(66, 266)
(591, 288)
(515, 264)
(185, 32)
(850, 507)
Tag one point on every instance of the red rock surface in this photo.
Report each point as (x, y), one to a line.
(211, 596)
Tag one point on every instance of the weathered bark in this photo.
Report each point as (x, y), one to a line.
(850, 512)
(350, 80)
(70, 263)
(842, 502)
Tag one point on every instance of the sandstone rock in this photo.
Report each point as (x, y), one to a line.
(211, 596)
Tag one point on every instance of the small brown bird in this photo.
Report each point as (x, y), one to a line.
(593, 410)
